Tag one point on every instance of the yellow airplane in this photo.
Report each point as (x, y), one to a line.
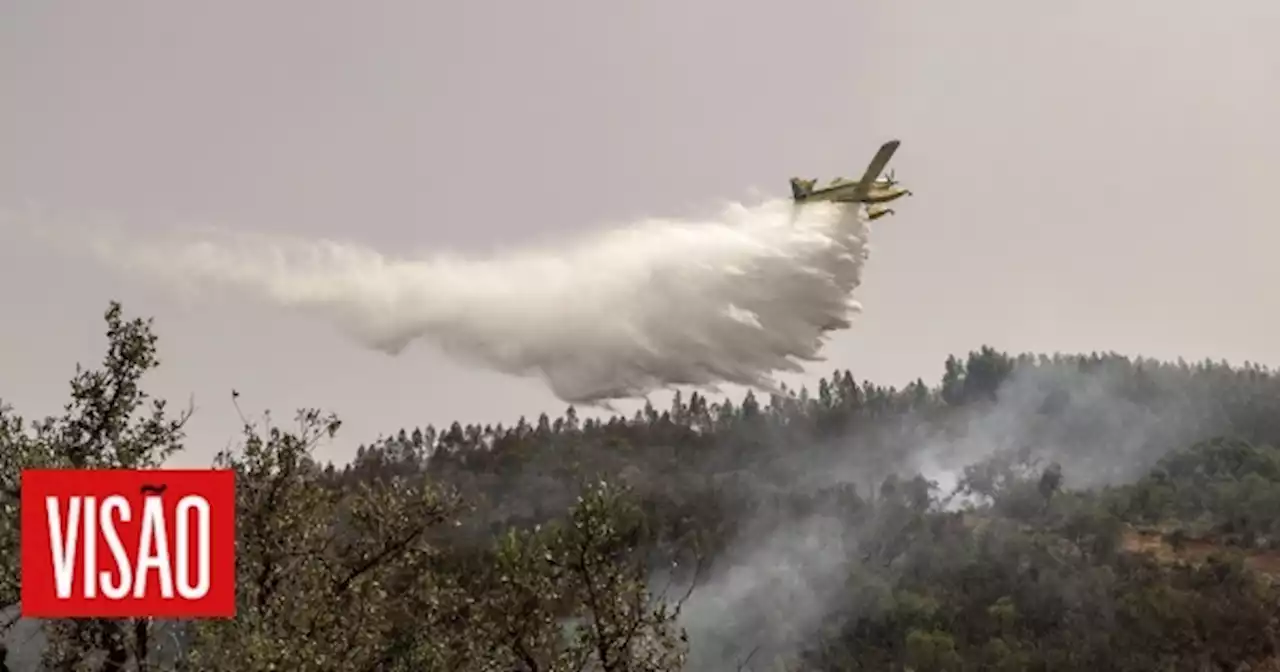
(869, 190)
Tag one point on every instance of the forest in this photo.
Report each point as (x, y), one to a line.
(1026, 512)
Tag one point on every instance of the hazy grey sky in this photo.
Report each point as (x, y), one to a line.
(1089, 175)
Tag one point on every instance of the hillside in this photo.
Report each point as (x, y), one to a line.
(1167, 549)
(1026, 512)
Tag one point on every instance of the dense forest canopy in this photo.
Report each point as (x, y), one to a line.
(1027, 512)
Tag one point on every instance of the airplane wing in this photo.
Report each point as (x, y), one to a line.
(878, 162)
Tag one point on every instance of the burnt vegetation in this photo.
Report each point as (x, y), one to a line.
(1106, 513)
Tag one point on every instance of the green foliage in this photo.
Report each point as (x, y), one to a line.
(109, 422)
(1226, 488)
(553, 545)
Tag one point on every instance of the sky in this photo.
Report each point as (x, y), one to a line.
(1087, 175)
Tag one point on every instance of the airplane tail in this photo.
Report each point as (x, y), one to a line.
(800, 188)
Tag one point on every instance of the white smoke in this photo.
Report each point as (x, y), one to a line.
(615, 315)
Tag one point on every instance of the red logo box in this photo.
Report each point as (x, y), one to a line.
(119, 543)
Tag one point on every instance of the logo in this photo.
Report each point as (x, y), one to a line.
(118, 543)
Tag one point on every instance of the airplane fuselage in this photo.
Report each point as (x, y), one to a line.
(847, 192)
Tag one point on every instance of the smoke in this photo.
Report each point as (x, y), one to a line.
(789, 573)
(770, 597)
(659, 303)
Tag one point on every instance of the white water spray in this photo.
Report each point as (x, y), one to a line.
(615, 315)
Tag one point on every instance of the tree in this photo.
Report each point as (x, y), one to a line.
(492, 547)
(109, 422)
(357, 578)
(321, 570)
(341, 574)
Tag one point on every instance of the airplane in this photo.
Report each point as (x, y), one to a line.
(869, 189)
(877, 210)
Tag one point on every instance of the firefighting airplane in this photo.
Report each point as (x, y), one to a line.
(873, 192)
